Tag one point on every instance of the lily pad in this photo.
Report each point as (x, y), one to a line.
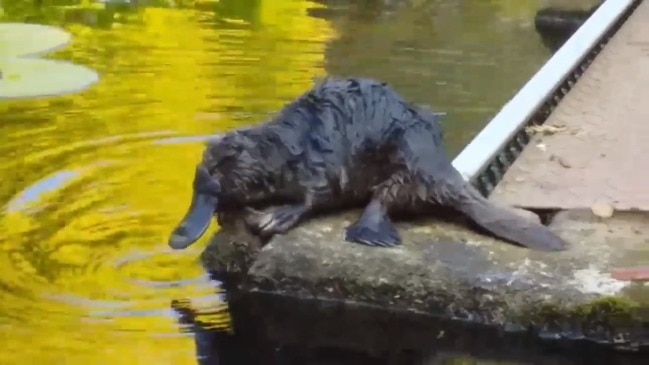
(21, 39)
(34, 77)
(545, 129)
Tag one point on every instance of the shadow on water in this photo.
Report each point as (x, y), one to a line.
(94, 181)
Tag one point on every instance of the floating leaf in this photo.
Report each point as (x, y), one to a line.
(602, 209)
(21, 39)
(33, 77)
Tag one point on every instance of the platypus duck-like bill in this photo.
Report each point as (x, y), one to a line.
(199, 215)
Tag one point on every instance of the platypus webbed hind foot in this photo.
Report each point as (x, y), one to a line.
(373, 228)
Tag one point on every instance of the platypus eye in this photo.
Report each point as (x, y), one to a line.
(205, 183)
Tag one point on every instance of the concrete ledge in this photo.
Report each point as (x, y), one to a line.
(442, 272)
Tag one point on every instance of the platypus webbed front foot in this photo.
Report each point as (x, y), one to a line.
(373, 228)
(274, 221)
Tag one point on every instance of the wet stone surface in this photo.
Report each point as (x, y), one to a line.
(444, 271)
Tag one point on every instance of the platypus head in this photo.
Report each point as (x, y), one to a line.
(228, 174)
(205, 201)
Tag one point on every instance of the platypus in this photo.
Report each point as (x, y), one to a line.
(345, 142)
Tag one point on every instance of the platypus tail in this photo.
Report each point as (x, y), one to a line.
(503, 222)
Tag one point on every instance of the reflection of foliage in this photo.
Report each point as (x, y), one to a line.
(104, 14)
(90, 13)
(465, 58)
(160, 68)
(246, 10)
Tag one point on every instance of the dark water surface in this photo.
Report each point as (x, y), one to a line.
(92, 183)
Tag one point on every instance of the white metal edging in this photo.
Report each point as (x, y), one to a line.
(490, 141)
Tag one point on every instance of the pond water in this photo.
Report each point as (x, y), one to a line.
(93, 182)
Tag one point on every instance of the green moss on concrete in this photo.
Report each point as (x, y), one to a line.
(446, 271)
(606, 318)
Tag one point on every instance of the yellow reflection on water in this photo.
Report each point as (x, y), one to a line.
(94, 182)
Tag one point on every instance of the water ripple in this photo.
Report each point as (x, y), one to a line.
(91, 251)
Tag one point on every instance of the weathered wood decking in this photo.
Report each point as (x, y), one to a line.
(600, 150)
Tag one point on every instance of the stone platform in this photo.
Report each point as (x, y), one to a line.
(444, 279)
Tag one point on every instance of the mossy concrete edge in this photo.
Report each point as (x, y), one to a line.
(446, 271)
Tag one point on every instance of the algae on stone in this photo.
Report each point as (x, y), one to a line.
(445, 270)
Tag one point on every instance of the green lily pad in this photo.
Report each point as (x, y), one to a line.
(21, 39)
(34, 77)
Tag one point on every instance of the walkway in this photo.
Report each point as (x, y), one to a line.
(599, 151)
(591, 153)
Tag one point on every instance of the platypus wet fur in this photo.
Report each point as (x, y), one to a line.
(345, 142)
